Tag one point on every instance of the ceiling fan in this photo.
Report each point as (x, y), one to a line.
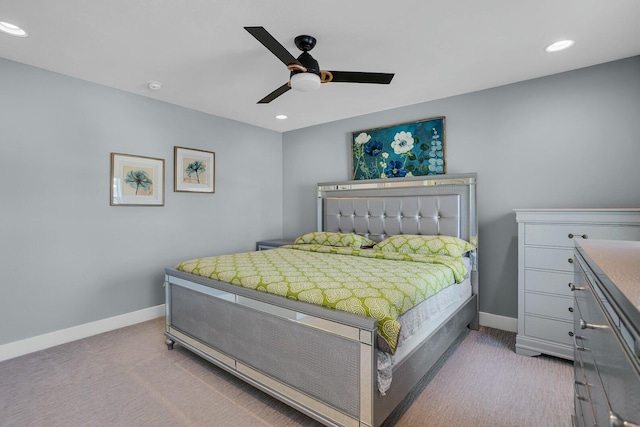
(306, 74)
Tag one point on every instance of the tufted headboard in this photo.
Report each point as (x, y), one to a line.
(442, 204)
(379, 217)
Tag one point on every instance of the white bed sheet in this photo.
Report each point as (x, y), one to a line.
(419, 322)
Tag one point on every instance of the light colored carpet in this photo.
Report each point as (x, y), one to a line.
(129, 378)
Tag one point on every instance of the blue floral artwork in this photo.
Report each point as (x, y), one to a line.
(409, 149)
(139, 181)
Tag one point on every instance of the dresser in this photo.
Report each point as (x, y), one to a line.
(546, 268)
(607, 333)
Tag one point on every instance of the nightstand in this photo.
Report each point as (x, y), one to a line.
(272, 244)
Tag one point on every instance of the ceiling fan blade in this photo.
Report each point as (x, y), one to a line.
(360, 77)
(276, 93)
(272, 44)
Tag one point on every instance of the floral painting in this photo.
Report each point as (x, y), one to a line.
(409, 149)
(136, 180)
(194, 170)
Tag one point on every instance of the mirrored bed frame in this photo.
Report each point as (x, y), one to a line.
(321, 361)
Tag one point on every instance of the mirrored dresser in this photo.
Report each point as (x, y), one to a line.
(606, 315)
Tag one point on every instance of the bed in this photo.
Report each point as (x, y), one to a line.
(329, 363)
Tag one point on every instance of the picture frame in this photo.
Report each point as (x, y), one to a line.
(194, 170)
(136, 180)
(402, 150)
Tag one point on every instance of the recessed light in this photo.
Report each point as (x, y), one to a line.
(560, 45)
(154, 85)
(281, 117)
(12, 30)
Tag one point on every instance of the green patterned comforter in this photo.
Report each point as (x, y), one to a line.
(368, 282)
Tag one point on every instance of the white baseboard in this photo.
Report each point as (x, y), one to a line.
(499, 322)
(52, 339)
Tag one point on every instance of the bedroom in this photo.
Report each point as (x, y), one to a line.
(71, 261)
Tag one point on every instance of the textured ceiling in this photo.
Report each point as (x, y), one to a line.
(206, 61)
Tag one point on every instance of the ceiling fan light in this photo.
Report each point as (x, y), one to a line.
(305, 82)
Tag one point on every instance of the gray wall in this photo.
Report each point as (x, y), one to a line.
(67, 257)
(568, 140)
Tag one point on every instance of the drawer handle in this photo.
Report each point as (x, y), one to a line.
(570, 309)
(570, 260)
(584, 236)
(570, 333)
(575, 288)
(585, 325)
(578, 347)
(575, 390)
(616, 421)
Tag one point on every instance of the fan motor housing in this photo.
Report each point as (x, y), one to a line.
(309, 63)
(305, 43)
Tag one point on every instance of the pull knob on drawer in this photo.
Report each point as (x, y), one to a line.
(585, 325)
(575, 288)
(616, 421)
(583, 383)
(577, 346)
(584, 236)
(577, 394)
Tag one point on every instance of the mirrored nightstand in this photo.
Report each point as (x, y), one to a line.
(272, 244)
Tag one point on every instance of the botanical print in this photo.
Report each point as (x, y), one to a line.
(138, 181)
(194, 171)
(405, 150)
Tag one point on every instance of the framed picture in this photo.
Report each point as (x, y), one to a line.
(194, 170)
(136, 180)
(408, 149)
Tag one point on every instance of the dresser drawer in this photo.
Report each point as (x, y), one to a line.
(549, 329)
(549, 306)
(551, 282)
(548, 258)
(558, 234)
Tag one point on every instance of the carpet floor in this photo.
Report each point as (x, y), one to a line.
(127, 377)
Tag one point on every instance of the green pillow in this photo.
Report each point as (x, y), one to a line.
(426, 245)
(328, 238)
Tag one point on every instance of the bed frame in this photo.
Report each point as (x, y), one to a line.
(320, 361)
